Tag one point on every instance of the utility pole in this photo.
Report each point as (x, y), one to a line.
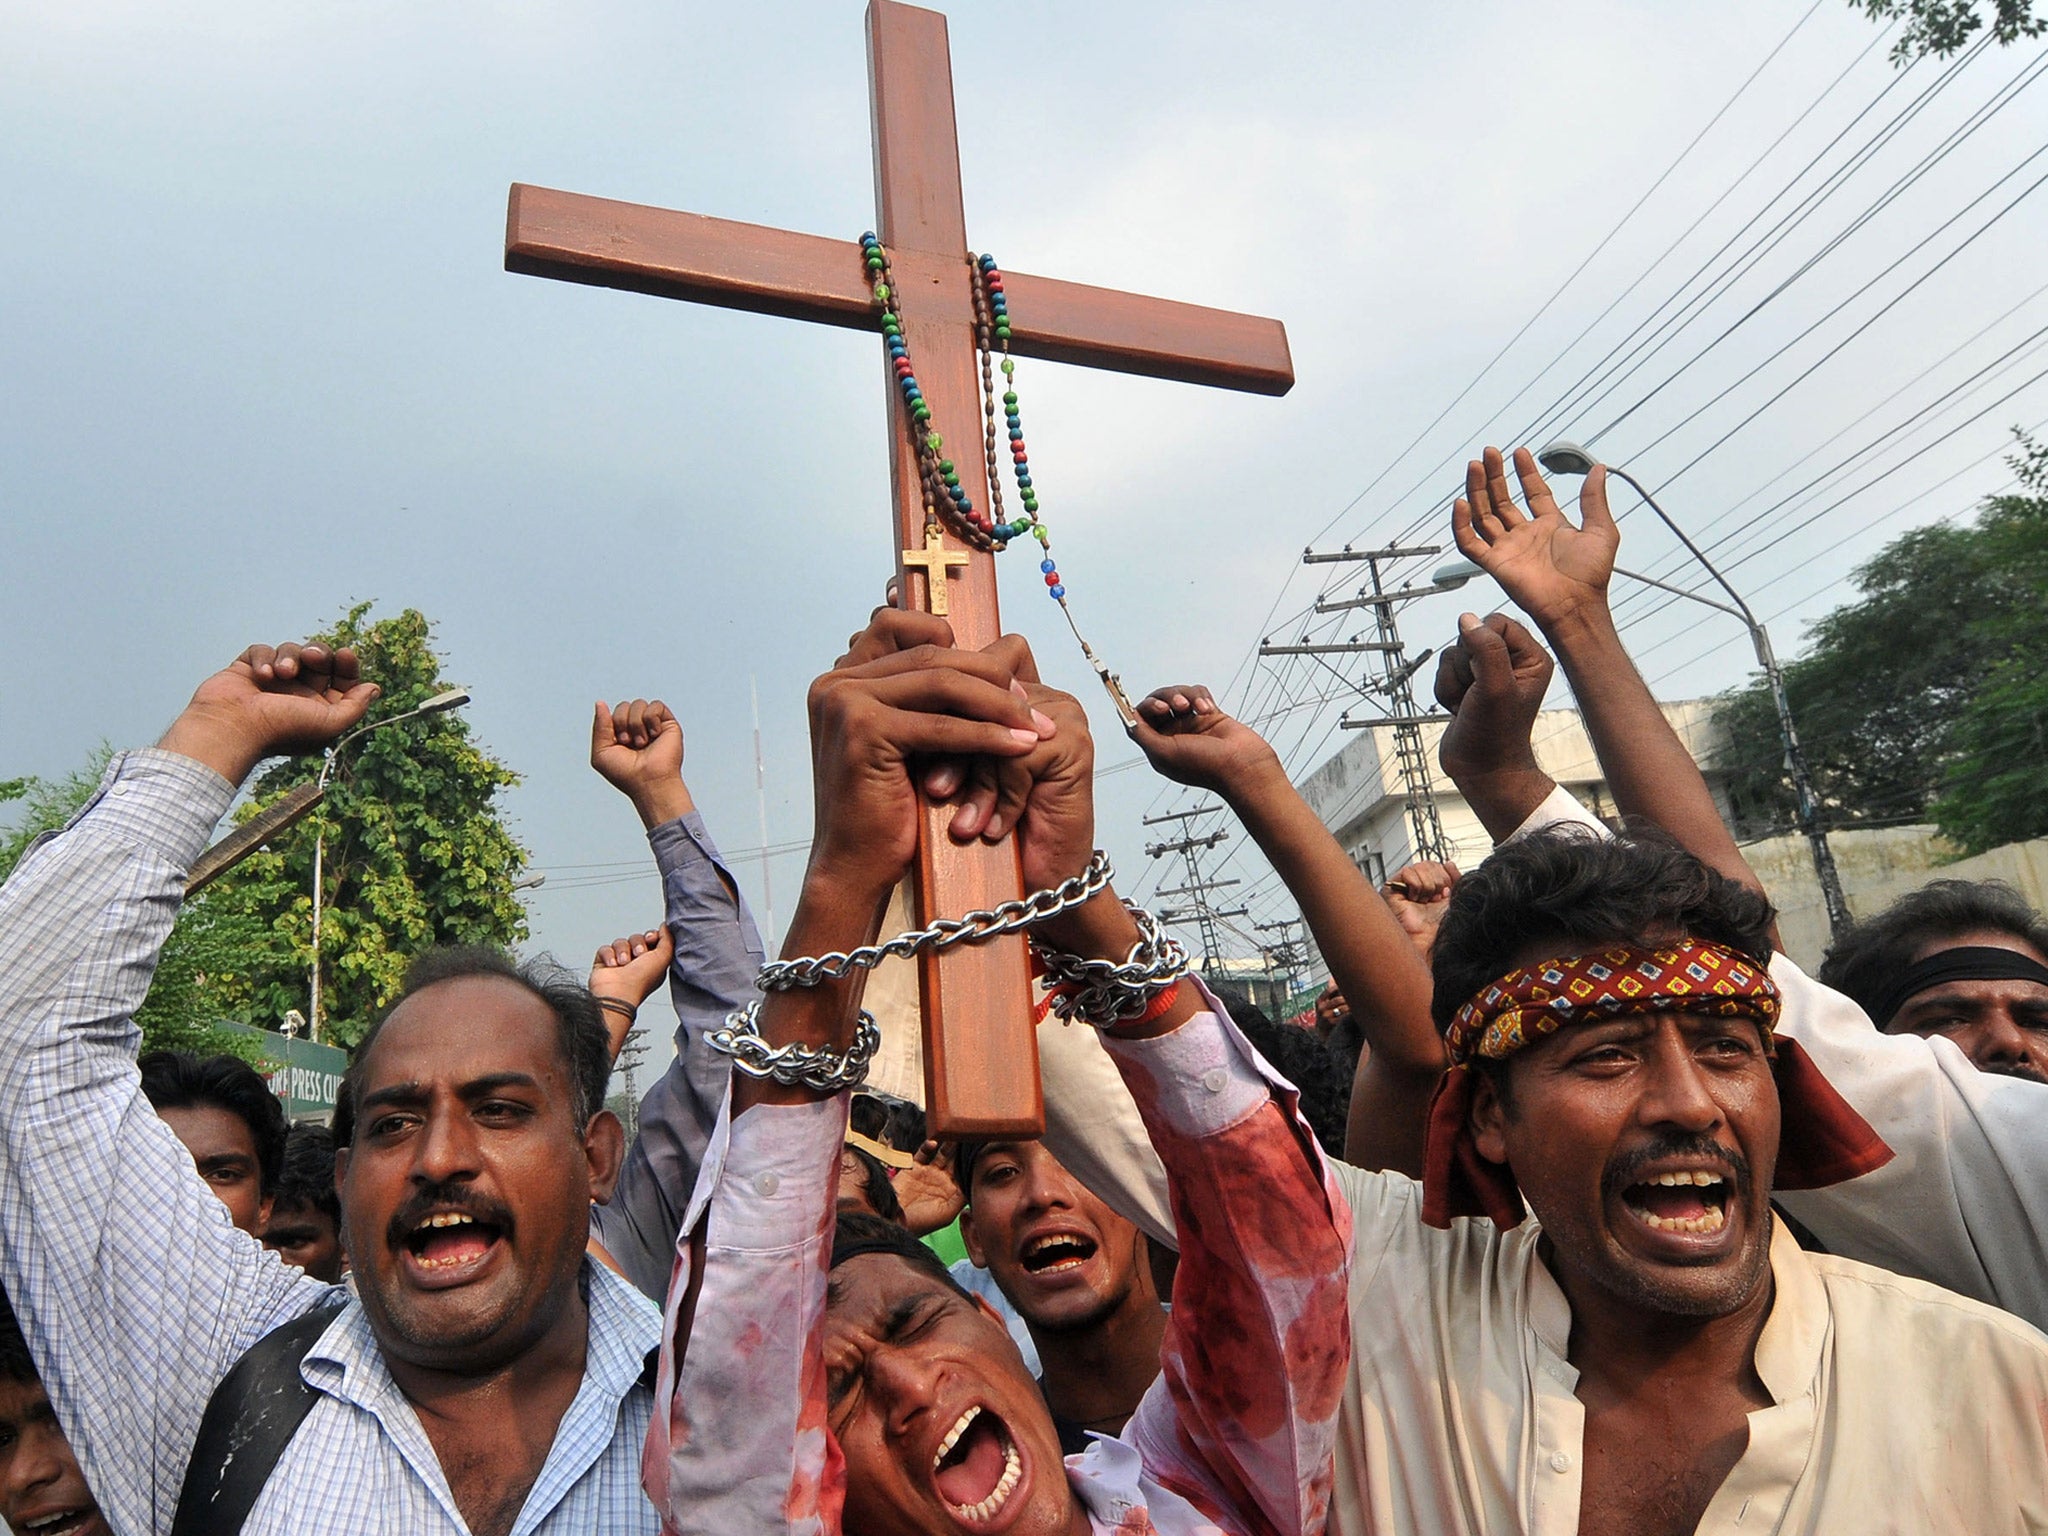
(1395, 684)
(1282, 955)
(1197, 889)
(1564, 457)
(631, 1056)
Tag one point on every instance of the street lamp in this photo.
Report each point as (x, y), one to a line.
(453, 698)
(1568, 458)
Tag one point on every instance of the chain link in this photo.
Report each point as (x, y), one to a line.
(944, 934)
(1106, 992)
(796, 1066)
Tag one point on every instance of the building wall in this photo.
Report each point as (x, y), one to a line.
(1877, 867)
(1359, 796)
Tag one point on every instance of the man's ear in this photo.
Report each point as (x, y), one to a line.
(970, 1238)
(604, 1149)
(263, 1209)
(340, 1173)
(1487, 1118)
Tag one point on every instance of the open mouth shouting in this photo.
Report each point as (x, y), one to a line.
(977, 1468)
(1684, 1204)
(1056, 1253)
(448, 1247)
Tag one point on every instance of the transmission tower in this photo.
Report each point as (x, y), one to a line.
(631, 1056)
(1283, 954)
(1394, 684)
(1204, 915)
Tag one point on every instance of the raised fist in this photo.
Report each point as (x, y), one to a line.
(1418, 896)
(271, 700)
(1492, 679)
(1185, 734)
(638, 747)
(629, 970)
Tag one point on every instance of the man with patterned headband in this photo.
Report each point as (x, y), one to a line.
(1585, 1317)
(1949, 975)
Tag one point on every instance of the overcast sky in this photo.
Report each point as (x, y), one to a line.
(260, 358)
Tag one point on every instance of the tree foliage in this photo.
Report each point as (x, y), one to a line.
(416, 854)
(1940, 27)
(1922, 699)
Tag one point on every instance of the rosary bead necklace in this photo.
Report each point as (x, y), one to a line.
(946, 501)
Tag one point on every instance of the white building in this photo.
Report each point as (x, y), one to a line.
(1361, 799)
(1360, 796)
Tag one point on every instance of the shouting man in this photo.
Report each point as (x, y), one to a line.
(1078, 1274)
(487, 1378)
(824, 1373)
(1586, 1316)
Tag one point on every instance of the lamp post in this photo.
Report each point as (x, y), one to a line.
(453, 698)
(1568, 458)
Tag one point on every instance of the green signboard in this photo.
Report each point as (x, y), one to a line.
(305, 1077)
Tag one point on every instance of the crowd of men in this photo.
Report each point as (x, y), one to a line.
(1580, 1208)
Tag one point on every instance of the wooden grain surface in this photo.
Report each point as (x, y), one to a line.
(980, 1044)
(675, 255)
(981, 1062)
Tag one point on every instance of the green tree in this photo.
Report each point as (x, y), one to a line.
(1994, 781)
(1940, 27)
(1911, 700)
(416, 854)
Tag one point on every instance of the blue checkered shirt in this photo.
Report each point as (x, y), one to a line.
(135, 1292)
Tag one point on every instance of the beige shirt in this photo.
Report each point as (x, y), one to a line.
(1896, 1406)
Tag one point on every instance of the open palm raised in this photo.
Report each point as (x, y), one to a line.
(1551, 568)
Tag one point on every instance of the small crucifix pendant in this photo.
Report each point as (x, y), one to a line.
(939, 562)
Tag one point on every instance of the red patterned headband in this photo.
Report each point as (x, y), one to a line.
(1537, 1000)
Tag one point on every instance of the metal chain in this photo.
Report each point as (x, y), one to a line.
(943, 934)
(1106, 992)
(796, 1066)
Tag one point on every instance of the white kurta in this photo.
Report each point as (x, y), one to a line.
(1896, 1406)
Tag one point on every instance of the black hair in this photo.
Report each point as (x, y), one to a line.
(892, 1121)
(182, 1080)
(308, 1181)
(16, 1363)
(966, 1156)
(856, 1233)
(881, 1194)
(1867, 961)
(1318, 1074)
(580, 1032)
(1566, 887)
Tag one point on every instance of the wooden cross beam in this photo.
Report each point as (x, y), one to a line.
(981, 1054)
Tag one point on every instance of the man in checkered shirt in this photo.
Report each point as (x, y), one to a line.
(489, 1378)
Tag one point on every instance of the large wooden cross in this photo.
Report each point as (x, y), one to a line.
(980, 1050)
